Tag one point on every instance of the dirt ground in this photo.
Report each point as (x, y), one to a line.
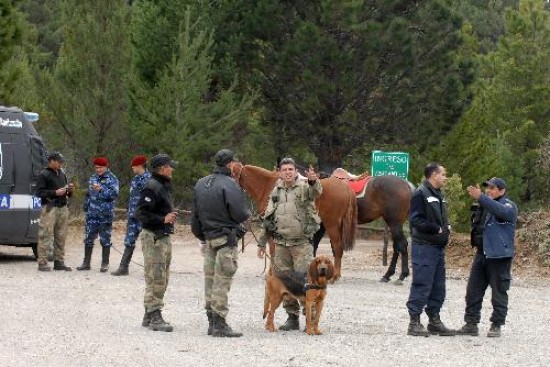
(94, 319)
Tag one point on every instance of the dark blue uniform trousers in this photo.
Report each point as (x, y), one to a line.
(485, 272)
(428, 279)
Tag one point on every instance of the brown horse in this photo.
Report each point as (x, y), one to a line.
(387, 197)
(337, 206)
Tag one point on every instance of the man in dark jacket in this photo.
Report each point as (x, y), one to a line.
(430, 231)
(53, 189)
(155, 211)
(493, 260)
(220, 209)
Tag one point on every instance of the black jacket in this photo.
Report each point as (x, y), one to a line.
(155, 202)
(428, 215)
(47, 182)
(219, 205)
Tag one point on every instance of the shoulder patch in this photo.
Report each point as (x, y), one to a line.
(147, 199)
(431, 199)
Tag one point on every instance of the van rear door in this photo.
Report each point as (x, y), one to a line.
(14, 206)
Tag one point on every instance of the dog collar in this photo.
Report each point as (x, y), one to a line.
(308, 286)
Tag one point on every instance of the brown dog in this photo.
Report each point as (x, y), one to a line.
(293, 285)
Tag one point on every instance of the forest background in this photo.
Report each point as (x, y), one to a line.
(462, 82)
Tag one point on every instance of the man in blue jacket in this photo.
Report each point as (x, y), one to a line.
(430, 231)
(493, 260)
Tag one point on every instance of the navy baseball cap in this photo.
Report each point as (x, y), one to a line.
(223, 157)
(495, 181)
(163, 160)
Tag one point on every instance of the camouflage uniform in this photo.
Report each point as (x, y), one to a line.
(291, 217)
(157, 256)
(99, 207)
(133, 226)
(220, 208)
(54, 215)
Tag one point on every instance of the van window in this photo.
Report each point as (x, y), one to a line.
(38, 156)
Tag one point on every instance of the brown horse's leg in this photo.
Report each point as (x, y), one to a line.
(393, 264)
(400, 247)
(317, 237)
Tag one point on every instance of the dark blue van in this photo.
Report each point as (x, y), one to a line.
(22, 158)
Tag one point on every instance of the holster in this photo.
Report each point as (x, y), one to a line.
(159, 234)
(232, 240)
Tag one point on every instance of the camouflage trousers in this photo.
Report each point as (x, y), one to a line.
(52, 232)
(220, 265)
(133, 229)
(98, 226)
(157, 256)
(292, 258)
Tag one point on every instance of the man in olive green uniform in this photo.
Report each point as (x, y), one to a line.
(291, 219)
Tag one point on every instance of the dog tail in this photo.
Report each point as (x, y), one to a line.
(266, 301)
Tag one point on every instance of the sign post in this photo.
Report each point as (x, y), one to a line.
(390, 163)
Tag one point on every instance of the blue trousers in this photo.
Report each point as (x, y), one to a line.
(485, 272)
(428, 279)
(133, 228)
(98, 226)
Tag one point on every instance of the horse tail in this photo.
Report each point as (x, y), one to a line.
(349, 224)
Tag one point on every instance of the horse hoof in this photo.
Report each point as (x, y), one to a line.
(398, 282)
(384, 280)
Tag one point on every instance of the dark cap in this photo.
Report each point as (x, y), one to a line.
(56, 156)
(495, 181)
(223, 157)
(162, 160)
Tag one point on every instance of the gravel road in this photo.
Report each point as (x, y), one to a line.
(94, 319)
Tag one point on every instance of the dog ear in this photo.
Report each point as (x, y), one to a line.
(312, 271)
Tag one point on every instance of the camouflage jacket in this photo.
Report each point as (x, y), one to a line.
(137, 184)
(291, 216)
(101, 203)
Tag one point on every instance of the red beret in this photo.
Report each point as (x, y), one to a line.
(101, 161)
(139, 160)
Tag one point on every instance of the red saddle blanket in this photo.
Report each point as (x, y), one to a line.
(358, 186)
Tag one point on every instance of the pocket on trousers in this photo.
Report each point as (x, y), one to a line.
(504, 282)
(229, 264)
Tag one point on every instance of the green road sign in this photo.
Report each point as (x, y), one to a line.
(390, 163)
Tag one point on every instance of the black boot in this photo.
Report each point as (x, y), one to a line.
(494, 331)
(210, 322)
(60, 265)
(468, 329)
(124, 262)
(292, 323)
(436, 327)
(157, 322)
(146, 319)
(221, 329)
(87, 257)
(416, 328)
(105, 252)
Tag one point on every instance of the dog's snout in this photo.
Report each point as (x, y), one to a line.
(323, 270)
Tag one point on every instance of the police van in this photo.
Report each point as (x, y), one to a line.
(22, 158)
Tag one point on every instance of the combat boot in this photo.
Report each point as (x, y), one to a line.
(87, 258)
(468, 329)
(157, 322)
(292, 323)
(105, 252)
(146, 319)
(221, 329)
(436, 327)
(124, 262)
(210, 322)
(494, 331)
(44, 267)
(416, 328)
(60, 265)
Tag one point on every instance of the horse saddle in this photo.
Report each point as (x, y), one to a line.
(357, 184)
